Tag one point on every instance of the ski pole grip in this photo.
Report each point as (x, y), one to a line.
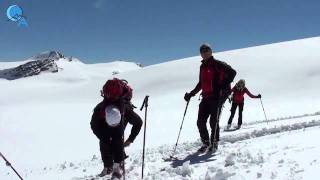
(145, 102)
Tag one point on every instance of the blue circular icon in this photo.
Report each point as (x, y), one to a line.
(14, 13)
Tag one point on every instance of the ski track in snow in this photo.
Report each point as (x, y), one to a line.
(188, 161)
(283, 118)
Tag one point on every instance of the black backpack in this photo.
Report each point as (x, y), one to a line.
(225, 85)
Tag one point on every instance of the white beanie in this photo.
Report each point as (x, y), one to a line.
(113, 116)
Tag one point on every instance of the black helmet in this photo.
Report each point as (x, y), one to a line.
(205, 48)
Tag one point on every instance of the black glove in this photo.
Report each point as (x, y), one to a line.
(259, 95)
(127, 143)
(132, 105)
(8, 164)
(187, 96)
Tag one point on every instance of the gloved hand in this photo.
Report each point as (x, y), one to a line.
(8, 164)
(132, 105)
(187, 96)
(127, 143)
(259, 95)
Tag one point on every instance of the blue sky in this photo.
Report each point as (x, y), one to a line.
(152, 31)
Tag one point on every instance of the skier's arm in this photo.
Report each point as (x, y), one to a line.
(96, 124)
(233, 89)
(249, 94)
(196, 89)
(192, 93)
(136, 122)
(136, 127)
(198, 86)
(227, 75)
(230, 75)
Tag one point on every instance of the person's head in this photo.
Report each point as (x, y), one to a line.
(112, 90)
(241, 83)
(205, 51)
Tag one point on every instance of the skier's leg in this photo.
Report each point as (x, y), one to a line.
(214, 123)
(117, 148)
(107, 157)
(203, 115)
(240, 114)
(106, 153)
(233, 111)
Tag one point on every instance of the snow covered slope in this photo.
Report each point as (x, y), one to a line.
(286, 74)
(44, 120)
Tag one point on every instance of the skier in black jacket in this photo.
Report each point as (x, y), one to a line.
(214, 82)
(117, 94)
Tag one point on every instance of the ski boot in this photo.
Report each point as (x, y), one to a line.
(203, 148)
(116, 171)
(228, 126)
(105, 171)
(213, 147)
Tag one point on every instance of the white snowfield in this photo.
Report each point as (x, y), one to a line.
(45, 130)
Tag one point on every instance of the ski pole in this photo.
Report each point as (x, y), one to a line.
(123, 131)
(144, 104)
(9, 164)
(263, 110)
(184, 115)
(219, 111)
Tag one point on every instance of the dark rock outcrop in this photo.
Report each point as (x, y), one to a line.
(30, 68)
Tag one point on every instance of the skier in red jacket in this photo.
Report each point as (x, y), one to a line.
(238, 100)
(214, 82)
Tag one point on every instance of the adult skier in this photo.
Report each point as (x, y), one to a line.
(214, 82)
(238, 101)
(108, 126)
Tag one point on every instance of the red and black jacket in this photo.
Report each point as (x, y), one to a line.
(215, 76)
(238, 95)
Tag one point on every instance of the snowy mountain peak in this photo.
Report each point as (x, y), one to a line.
(68, 67)
(47, 61)
(30, 68)
(55, 55)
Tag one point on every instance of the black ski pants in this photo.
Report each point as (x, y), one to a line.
(112, 151)
(110, 155)
(208, 107)
(233, 111)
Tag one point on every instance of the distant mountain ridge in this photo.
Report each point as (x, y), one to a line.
(55, 61)
(55, 55)
(43, 62)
